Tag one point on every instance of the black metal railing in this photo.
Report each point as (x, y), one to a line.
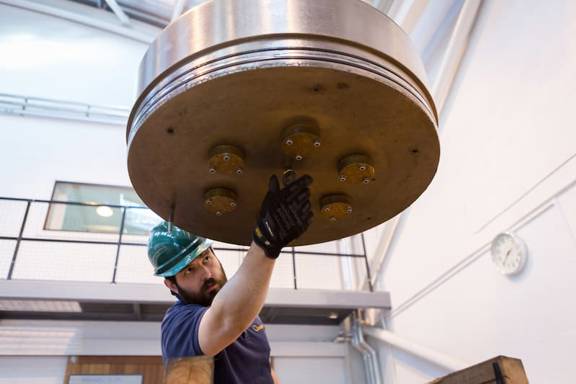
(19, 235)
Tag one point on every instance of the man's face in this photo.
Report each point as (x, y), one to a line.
(201, 280)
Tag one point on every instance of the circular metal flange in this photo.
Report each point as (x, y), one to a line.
(356, 169)
(226, 159)
(246, 77)
(220, 201)
(335, 207)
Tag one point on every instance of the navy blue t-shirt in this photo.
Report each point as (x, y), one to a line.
(246, 361)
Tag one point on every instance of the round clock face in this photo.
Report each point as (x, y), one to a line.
(508, 253)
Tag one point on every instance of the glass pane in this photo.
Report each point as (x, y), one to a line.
(134, 267)
(99, 218)
(6, 253)
(318, 272)
(11, 216)
(41, 260)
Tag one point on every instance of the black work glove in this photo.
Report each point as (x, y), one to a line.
(284, 215)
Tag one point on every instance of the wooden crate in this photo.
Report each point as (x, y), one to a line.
(499, 370)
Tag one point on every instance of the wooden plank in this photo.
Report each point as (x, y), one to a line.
(499, 370)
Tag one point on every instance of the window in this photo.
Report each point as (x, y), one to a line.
(104, 212)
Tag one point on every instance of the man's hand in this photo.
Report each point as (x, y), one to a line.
(285, 214)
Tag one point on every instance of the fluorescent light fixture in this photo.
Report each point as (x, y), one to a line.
(39, 306)
(104, 211)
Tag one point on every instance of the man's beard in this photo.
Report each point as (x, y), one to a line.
(206, 294)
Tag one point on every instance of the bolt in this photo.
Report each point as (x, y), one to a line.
(317, 143)
(233, 204)
(326, 209)
(349, 210)
(212, 171)
(239, 171)
(332, 219)
(289, 142)
(226, 157)
(362, 168)
(209, 202)
(218, 213)
(342, 178)
(299, 157)
(366, 180)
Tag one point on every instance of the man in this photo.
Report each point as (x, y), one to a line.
(216, 317)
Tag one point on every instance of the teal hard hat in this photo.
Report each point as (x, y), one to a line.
(170, 251)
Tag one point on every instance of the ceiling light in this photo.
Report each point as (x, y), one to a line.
(104, 211)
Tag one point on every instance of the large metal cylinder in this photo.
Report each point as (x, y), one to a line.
(236, 90)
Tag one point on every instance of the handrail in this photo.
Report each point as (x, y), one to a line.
(121, 241)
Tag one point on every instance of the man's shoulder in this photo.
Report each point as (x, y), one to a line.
(181, 311)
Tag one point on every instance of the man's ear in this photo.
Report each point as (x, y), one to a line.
(170, 284)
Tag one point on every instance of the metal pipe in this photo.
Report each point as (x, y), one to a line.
(371, 362)
(449, 66)
(437, 358)
(141, 36)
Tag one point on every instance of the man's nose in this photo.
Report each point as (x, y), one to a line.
(207, 272)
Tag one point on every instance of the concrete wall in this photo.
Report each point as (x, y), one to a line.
(508, 164)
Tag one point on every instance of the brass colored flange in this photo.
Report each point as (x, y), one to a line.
(299, 140)
(220, 201)
(335, 207)
(226, 159)
(356, 169)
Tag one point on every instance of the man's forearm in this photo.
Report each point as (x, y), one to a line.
(241, 299)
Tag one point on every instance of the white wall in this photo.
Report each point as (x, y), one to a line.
(507, 164)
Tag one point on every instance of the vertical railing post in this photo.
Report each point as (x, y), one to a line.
(13, 262)
(368, 274)
(294, 268)
(120, 234)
